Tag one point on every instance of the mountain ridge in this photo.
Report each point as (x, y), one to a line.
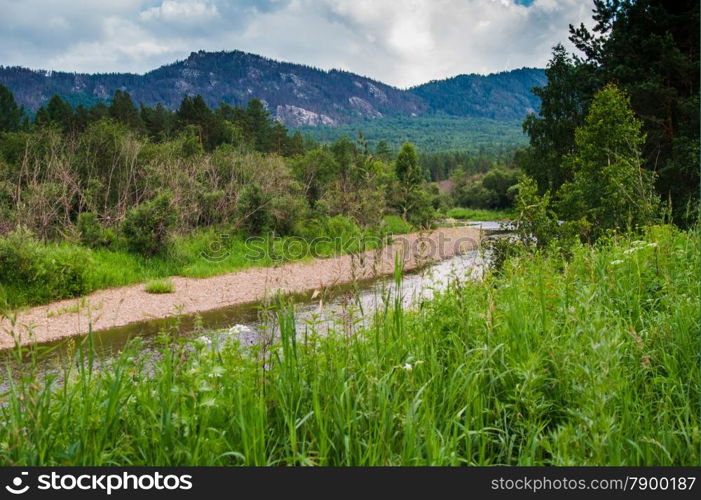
(295, 94)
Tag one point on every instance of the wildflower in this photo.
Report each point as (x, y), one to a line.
(616, 262)
(407, 367)
(238, 329)
(209, 402)
(203, 341)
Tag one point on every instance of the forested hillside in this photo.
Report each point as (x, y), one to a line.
(294, 94)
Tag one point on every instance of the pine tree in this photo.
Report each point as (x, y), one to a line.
(122, 110)
(10, 113)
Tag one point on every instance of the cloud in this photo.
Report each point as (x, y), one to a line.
(402, 42)
(180, 11)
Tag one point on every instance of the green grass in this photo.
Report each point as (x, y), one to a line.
(479, 214)
(52, 271)
(159, 286)
(590, 361)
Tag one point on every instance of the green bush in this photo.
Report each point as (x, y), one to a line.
(287, 210)
(536, 223)
(148, 227)
(35, 273)
(92, 233)
(341, 227)
(393, 224)
(254, 210)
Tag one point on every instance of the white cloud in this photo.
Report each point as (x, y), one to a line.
(181, 11)
(402, 42)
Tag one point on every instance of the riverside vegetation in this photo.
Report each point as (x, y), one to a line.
(593, 360)
(111, 195)
(580, 346)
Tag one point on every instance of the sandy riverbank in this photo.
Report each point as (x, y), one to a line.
(115, 307)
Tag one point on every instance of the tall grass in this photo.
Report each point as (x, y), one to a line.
(594, 360)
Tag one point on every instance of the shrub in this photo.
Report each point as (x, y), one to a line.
(92, 233)
(341, 227)
(211, 205)
(536, 223)
(148, 227)
(287, 210)
(422, 212)
(500, 249)
(41, 273)
(393, 224)
(254, 210)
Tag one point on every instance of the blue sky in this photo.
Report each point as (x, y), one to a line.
(401, 42)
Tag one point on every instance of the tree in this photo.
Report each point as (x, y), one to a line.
(57, 112)
(650, 50)
(564, 102)
(609, 187)
(258, 126)
(159, 122)
(10, 113)
(383, 151)
(407, 166)
(414, 202)
(122, 110)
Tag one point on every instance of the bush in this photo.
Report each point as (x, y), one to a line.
(211, 205)
(500, 249)
(287, 211)
(40, 273)
(148, 227)
(254, 210)
(341, 227)
(393, 224)
(422, 213)
(92, 233)
(536, 223)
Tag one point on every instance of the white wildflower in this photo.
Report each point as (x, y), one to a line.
(238, 329)
(407, 367)
(203, 340)
(616, 262)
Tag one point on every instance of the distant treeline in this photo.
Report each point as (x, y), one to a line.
(210, 127)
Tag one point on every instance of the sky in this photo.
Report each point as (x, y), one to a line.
(400, 42)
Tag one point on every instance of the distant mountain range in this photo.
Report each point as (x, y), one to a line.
(297, 95)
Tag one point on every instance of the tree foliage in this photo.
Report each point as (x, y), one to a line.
(10, 113)
(650, 50)
(609, 187)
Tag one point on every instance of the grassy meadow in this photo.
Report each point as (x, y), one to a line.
(591, 358)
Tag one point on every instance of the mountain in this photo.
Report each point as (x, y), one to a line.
(295, 94)
(500, 96)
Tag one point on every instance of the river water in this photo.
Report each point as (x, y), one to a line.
(346, 307)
